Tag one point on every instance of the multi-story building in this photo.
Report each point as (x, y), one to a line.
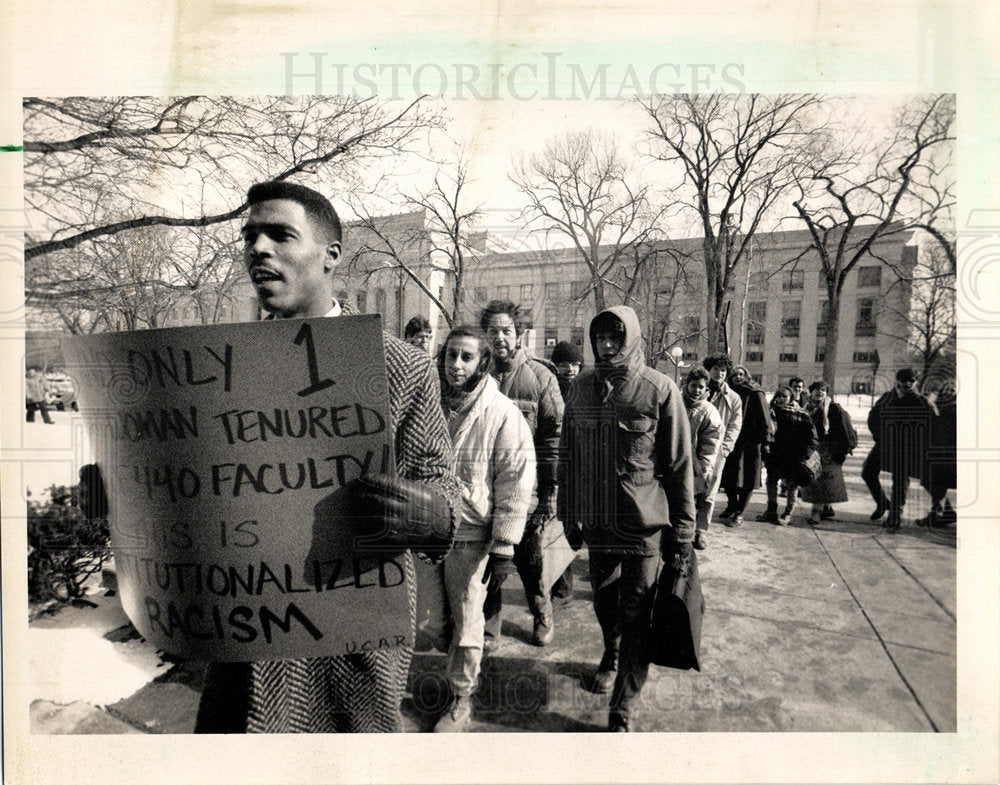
(776, 315)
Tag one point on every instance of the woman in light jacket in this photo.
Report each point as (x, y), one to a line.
(706, 440)
(496, 468)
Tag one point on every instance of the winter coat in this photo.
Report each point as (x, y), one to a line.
(361, 692)
(730, 407)
(834, 430)
(742, 469)
(794, 437)
(706, 440)
(496, 467)
(901, 426)
(531, 384)
(941, 471)
(625, 454)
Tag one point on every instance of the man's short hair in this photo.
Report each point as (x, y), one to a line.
(696, 373)
(718, 359)
(906, 375)
(317, 206)
(513, 310)
(416, 325)
(819, 386)
(796, 380)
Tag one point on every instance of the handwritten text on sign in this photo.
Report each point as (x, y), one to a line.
(225, 450)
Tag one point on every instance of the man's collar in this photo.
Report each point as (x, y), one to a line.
(335, 310)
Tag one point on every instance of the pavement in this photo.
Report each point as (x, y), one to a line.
(842, 626)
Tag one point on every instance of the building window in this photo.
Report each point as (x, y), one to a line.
(580, 288)
(480, 295)
(824, 316)
(820, 355)
(790, 312)
(528, 317)
(755, 357)
(757, 282)
(863, 388)
(690, 356)
(552, 293)
(362, 298)
(576, 336)
(792, 280)
(527, 293)
(864, 357)
(503, 292)
(756, 316)
(788, 357)
(551, 339)
(551, 315)
(758, 378)
(869, 277)
(865, 324)
(380, 299)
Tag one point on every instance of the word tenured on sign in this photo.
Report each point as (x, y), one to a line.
(224, 451)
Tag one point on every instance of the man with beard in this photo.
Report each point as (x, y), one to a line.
(627, 491)
(291, 246)
(531, 384)
(730, 409)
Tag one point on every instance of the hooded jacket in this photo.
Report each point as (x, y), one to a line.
(625, 455)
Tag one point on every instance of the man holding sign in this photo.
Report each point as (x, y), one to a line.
(292, 245)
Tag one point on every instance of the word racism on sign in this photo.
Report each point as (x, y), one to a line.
(225, 450)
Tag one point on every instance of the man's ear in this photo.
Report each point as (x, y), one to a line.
(332, 258)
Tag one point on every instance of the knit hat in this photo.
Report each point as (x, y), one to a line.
(566, 352)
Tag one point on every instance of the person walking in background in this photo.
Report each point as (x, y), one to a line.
(34, 396)
(530, 383)
(418, 333)
(627, 490)
(568, 361)
(799, 395)
(727, 402)
(794, 437)
(742, 470)
(496, 468)
(940, 473)
(837, 439)
(900, 422)
(706, 439)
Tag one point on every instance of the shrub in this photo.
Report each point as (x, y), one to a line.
(65, 546)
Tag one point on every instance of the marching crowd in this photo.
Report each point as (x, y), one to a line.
(495, 447)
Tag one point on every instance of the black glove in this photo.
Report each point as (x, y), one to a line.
(574, 535)
(497, 565)
(402, 514)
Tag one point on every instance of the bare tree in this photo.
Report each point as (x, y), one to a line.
(872, 188)
(143, 155)
(735, 157)
(929, 321)
(579, 187)
(441, 240)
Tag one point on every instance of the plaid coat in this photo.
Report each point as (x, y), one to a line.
(359, 693)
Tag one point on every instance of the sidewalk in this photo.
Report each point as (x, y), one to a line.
(837, 627)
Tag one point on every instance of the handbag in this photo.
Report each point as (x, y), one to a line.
(809, 468)
(673, 638)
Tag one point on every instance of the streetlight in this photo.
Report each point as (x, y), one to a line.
(675, 354)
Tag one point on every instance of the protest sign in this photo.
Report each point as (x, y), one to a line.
(225, 450)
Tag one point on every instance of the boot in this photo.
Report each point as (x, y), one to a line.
(607, 672)
(456, 716)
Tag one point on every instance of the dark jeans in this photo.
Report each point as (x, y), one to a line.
(623, 603)
(528, 561)
(870, 471)
(41, 406)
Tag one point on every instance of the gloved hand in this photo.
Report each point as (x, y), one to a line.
(574, 534)
(496, 565)
(402, 514)
(678, 555)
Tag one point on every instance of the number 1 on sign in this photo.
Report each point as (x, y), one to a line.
(316, 384)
